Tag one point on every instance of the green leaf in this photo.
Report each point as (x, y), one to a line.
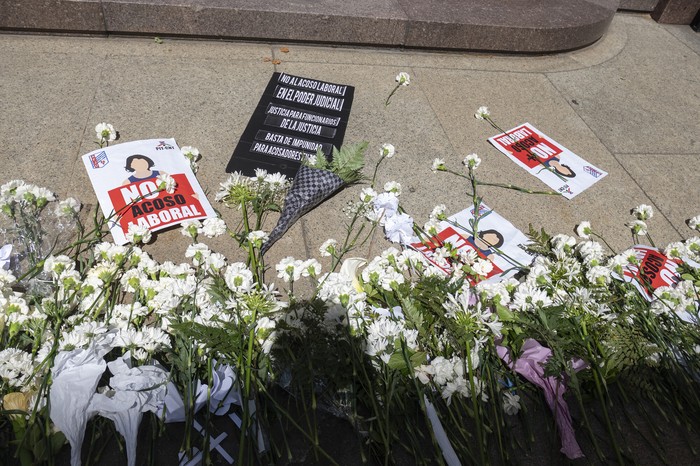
(348, 162)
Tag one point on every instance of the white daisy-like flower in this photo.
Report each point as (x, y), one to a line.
(638, 227)
(213, 227)
(583, 229)
(393, 187)
(190, 228)
(643, 212)
(105, 132)
(482, 113)
(257, 238)
(482, 267)
(137, 234)
(403, 78)
(166, 183)
(472, 161)
(328, 247)
(438, 165)
(192, 153)
(68, 207)
(387, 150)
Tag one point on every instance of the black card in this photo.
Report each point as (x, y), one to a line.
(295, 117)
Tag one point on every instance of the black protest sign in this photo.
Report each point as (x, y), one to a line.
(295, 117)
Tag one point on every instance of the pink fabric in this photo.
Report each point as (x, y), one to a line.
(530, 365)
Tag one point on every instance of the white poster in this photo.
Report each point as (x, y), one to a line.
(125, 179)
(496, 240)
(554, 164)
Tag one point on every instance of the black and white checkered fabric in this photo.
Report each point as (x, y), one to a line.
(310, 187)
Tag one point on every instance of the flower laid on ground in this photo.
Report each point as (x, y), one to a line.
(166, 183)
(472, 161)
(694, 223)
(105, 134)
(403, 79)
(438, 165)
(387, 151)
(482, 113)
(138, 234)
(192, 154)
(643, 212)
(584, 230)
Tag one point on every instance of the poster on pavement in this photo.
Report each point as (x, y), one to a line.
(554, 164)
(126, 179)
(295, 118)
(497, 240)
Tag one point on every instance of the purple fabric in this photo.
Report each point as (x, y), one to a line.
(530, 364)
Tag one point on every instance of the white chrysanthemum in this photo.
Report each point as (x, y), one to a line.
(367, 195)
(387, 150)
(105, 132)
(328, 248)
(289, 269)
(276, 181)
(599, 275)
(438, 165)
(482, 267)
(528, 297)
(310, 268)
(166, 183)
(393, 187)
(638, 227)
(190, 228)
(257, 238)
(68, 207)
(694, 223)
(482, 113)
(138, 234)
(213, 227)
(15, 367)
(403, 78)
(583, 229)
(472, 161)
(643, 212)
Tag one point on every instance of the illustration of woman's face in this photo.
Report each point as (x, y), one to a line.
(139, 165)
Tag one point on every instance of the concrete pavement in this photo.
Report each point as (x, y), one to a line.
(629, 104)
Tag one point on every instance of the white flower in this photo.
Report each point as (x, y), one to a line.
(310, 268)
(385, 205)
(138, 233)
(327, 249)
(387, 150)
(584, 230)
(438, 165)
(438, 212)
(638, 227)
(166, 183)
(482, 267)
(192, 153)
(238, 277)
(643, 212)
(257, 238)
(511, 403)
(276, 181)
(213, 227)
(561, 241)
(393, 187)
(482, 113)
(399, 228)
(105, 133)
(289, 269)
(694, 223)
(367, 195)
(403, 79)
(190, 228)
(68, 207)
(472, 161)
